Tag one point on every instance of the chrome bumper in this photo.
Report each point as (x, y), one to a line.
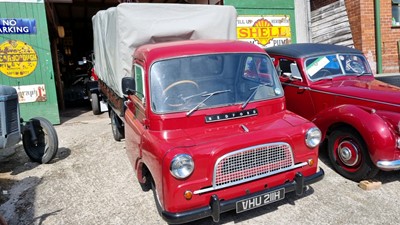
(218, 206)
(389, 165)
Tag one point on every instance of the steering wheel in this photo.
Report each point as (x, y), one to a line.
(356, 67)
(325, 72)
(175, 99)
(322, 73)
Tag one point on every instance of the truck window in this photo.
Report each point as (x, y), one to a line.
(181, 84)
(204, 66)
(256, 68)
(139, 81)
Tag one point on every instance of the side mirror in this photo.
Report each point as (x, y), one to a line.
(128, 86)
(295, 72)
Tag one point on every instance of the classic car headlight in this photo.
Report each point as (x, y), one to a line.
(182, 166)
(313, 137)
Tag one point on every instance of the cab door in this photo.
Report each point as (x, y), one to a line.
(135, 118)
(297, 93)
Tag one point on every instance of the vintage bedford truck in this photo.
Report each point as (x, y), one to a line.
(359, 116)
(205, 122)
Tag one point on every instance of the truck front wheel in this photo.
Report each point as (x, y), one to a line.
(349, 156)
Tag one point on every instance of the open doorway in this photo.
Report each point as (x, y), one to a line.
(71, 40)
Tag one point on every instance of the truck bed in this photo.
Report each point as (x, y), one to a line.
(112, 98)
(118, 31)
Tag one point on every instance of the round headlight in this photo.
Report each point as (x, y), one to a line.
(182, 166)
(313, 137)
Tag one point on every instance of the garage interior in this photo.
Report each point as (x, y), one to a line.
(71, 34)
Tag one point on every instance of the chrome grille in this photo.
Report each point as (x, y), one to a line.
(252, 163)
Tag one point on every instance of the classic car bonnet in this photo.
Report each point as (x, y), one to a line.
(373, 90)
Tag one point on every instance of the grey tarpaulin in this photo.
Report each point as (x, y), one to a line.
(118, 31)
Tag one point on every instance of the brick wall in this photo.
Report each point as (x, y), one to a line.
(362, 23)
(390, 38)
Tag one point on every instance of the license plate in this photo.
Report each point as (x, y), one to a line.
(260, 200)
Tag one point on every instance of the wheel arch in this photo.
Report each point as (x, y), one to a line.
(144, 176)
(371, 127)
(148, 180)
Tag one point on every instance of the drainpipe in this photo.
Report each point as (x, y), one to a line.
(309, 21)
(378, 36)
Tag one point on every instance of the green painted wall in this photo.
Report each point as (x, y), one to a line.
(266, 7)
(43, 74)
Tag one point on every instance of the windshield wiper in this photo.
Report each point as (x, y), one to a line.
(208, 96)
(361, 74)
(253, 93)
(192, 96)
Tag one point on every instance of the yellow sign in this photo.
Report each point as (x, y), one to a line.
(17, 59)
(265, 31)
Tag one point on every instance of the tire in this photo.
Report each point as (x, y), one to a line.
(156, 198)
(349, 155)
(46, 147)
(146, 186)
(116, 127)
(95, 103)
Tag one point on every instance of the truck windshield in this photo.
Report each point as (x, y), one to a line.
(328, 66)
(188, 84)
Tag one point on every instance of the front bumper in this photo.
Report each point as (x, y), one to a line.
(216, 207)
(389, 165)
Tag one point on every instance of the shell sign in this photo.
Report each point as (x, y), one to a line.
(17, 59)
(264, 31)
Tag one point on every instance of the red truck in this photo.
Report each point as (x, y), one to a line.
(359, 116)
(206, 126)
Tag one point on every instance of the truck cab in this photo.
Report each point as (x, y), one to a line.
(206, 128)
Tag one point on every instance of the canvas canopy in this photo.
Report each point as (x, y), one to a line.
(118, 31)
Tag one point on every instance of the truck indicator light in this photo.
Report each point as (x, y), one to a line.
(188, 195)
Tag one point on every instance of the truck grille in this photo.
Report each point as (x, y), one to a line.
(252, 163)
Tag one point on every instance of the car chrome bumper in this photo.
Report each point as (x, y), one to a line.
(389, 165)
(216, 206)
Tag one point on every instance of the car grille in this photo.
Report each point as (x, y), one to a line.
(252, 163)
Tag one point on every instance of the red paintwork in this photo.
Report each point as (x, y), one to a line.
(154, 139)
(370, 106)
(93, 75)
(154, 52)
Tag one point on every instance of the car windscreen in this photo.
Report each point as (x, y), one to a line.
(328, 66)
(212, 80)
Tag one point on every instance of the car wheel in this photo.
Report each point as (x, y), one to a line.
(45, 147)
(349, 155)
(95, 103)
(117, 128)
